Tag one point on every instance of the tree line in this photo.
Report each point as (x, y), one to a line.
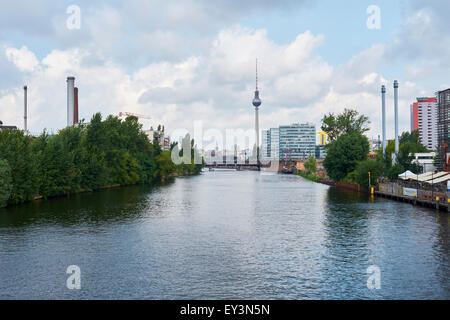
(85, 157)
(348, 150)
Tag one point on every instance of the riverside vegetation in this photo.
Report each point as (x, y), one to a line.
(348, 150)
(85, 157)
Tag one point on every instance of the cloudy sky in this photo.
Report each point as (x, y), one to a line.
(186, 61)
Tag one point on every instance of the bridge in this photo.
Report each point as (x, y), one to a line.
(235, 166)
(283, 166)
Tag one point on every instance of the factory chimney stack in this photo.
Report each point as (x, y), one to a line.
(25, 110)
(75, 106)
(70, 100)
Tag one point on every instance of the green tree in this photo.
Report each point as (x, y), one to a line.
(408, 145)
(15, 148)
(394, 171)
(5, 182)
(86, 156)
(362, 173)
(310, 165)
(165, 166)
(344, 154)
(347, 122)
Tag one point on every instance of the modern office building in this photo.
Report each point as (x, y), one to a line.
(297, 141)
(443, 102)
(270, 144)
(265, 144)
(275, 143)
(293, 142)
(321, 152)
(424, 118)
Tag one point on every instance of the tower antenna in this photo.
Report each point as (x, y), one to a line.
(256, 73)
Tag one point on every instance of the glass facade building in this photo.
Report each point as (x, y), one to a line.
(293, 142)
(266, 144)
(270, 144)
(297, 141)
(274, 143)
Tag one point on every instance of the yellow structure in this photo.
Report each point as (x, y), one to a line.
(323, 138)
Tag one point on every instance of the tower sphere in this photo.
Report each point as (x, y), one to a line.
(256, 100)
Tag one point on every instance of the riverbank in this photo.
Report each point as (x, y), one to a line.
(163, 181)
(102, 154)
(308, 176)
(438, 200)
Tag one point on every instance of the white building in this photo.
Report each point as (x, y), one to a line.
(425, 160)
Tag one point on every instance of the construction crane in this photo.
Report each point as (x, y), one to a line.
(128, 114)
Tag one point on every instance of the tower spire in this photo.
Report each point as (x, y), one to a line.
(256, 100)
(256, 74)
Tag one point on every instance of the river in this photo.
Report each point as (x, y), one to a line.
(224, 235)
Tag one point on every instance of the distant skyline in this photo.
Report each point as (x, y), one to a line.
(185, 61)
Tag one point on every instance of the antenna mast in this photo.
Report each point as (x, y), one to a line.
(256, 74)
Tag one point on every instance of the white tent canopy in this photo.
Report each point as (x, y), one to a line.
(444, 178)
(407, 175)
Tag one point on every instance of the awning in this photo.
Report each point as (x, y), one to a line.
(407, 175)
(439, 180)
(423, 177)
(435, 176)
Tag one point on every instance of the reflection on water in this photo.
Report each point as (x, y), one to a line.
(224, 235)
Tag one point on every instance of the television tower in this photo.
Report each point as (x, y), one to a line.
(256, 104)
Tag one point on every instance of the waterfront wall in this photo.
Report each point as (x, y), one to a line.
(399, 190)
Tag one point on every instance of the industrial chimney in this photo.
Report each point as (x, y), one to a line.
(396, 115)
(383, 116)
(70, 100)
(75, 106)
(25, 111)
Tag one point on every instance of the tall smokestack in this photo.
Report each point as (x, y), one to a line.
(25, 111)
(383, 116)
(70, 100)
(75, 106)
(396, 115)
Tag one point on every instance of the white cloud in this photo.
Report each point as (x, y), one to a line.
(216, 87)
(23, 58)
(185, 69)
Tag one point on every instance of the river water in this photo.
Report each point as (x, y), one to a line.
(224, 235)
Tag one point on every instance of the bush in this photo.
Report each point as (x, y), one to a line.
(362, 173)
(310, 165)
(394, 171)
(309, 176)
